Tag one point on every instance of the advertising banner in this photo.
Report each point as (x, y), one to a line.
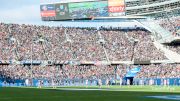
(82, 10)
(48, 10)
(133, 72)
(116, 7)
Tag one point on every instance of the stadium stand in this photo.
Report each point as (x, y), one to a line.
(58, 43)
(71, 55)
(171, 24)
(32, 42)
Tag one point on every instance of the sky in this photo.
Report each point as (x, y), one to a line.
(21, 11)
(28, 12)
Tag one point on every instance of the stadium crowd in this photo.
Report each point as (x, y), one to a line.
(11, 73)
(143, 2)
(172, 24)
(26, 42)
(33, 42)
(160, 71)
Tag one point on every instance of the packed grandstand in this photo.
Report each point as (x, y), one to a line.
(64, 56)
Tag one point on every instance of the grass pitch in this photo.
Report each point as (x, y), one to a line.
(113, 93)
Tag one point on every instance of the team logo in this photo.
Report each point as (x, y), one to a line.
(44, 8)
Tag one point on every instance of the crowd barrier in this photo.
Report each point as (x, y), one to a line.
(157, 81)
(92, 82)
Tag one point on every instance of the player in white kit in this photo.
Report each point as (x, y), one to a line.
(99, 83)
(27, 82)
(86, 83)
(120, 81)
(53, 84)
(107, 82)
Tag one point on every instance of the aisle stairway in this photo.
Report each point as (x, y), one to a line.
(171, 55)
(160, 34)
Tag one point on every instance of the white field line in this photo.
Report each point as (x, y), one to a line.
(153, 89)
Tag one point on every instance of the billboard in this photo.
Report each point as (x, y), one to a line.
(81, 10)
(133, 72)
(48, 11)
(88, 9)
(116, 7)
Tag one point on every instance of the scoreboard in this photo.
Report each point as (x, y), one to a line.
(82, 10)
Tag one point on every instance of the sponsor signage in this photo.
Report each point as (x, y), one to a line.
(82, 10)
(116, 7)
(48, 10)
(133, 72)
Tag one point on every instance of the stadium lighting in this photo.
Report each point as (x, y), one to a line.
(101, 41)
(12, 39)
(135, 41)
(41, 40)
(68, 40)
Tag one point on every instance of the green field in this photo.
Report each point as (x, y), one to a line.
(114, 93)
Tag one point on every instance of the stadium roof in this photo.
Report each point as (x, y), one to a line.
(121, 17)
(67, 1)
(127, 18)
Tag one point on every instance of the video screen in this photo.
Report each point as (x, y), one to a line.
(88, 9)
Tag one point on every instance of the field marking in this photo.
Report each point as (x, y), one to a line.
(166, 97)
(133, 89)
(109, 89)
(88, 89)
